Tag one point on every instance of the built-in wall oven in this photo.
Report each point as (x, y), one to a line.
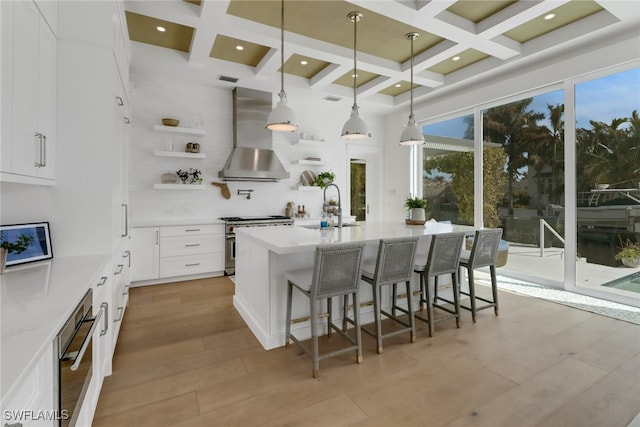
(233, 222)
(75, 359)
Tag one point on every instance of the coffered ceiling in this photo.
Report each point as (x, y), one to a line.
(240, 39)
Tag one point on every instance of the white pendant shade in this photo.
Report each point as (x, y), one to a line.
(412, 134)
(355, 127)
(282, 118)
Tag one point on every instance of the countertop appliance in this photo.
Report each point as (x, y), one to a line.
(233, 222)
(74, 351)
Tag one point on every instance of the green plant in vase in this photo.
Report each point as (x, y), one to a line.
(629, 253)
(417, 206)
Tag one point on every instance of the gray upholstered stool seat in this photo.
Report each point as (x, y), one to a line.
(483, 253)
(393, 265)
(443, 258)
(335, 273)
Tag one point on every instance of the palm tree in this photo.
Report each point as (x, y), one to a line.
(516, 128)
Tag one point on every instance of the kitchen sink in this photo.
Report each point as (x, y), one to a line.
(317, 226)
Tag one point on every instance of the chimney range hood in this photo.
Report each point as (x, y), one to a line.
(252, 157)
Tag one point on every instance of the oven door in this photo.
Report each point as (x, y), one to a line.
(75, 360)
(230, 254)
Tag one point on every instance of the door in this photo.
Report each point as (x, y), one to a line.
(365, 182)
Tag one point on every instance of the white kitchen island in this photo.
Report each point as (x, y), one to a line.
(263, 254)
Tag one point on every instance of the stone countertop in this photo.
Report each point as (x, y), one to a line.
(289, 240)
(37, 299)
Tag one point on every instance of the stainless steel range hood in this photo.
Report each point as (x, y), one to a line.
(252, 157)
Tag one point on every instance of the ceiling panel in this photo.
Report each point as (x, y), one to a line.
(144, 29)
(466, 58)
(362, 77)
(226, 48)
(398, 88)
(295, 66)
(564, 15)
(477, 11)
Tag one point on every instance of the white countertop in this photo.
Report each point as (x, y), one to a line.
(36, 301)
(287, 240)
(168, 222)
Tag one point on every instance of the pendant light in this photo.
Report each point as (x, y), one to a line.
(282, 118)
(355, 127)
(412, 134)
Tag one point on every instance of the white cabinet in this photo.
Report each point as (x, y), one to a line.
(33, 395)
(120, 293)
(193, 249)
(29, 95)
(174, 251)
(145, 253)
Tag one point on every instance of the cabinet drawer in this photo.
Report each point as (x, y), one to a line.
(190, 264)
(187, 245)
(191, 230)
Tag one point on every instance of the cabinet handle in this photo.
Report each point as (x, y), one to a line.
(105, 307)
(192, 229)
(43, 153)
(41, 156)
(127, 120)
(157, 237)
(128, 256)
(120, 101)
(192, 245)
(126, 220)
(192, 265)
(120, 312)
(102, 281)
(119, 269)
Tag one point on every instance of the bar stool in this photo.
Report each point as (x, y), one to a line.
(336, 272)
(483, 254)
(443, 258)
(393, 265)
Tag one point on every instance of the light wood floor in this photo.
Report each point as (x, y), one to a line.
(186, 358)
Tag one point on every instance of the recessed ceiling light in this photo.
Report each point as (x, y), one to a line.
(161, 29)
(398, 85)
(354, 75)
(550, 16)
(456, 58)
(239, 47)
(304, 62)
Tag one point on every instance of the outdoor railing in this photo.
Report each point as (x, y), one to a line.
(544, 224)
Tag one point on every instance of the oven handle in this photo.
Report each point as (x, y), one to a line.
(86, 341)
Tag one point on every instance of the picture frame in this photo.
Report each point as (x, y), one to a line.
(38, 250)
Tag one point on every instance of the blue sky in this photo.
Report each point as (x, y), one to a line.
(602, 100)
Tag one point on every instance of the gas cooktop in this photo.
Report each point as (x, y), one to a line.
(254, 218)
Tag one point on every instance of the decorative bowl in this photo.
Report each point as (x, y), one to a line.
(170, 122)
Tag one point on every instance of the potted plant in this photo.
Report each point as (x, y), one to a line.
(6, 247)
(417, 206)
(629, 253)
(324, 179)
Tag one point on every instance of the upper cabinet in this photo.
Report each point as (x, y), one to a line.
(29, 95)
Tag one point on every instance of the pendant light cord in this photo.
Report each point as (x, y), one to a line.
(411, 87)
(355, 69)
(282, 48)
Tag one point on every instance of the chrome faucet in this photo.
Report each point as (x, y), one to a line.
(326, 204)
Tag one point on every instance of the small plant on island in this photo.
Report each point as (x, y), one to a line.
(415, 203)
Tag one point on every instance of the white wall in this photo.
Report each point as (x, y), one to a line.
(155, 98)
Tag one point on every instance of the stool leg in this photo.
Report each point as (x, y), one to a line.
(356, 320)
(329, 315)
(376, 313)
(422, 292)
(412, 320)
(494, 288)
(394, 297)
(429, 303)
(314, 340)
(456, 297)
(345, 312)
(287, 332)
(472, 293)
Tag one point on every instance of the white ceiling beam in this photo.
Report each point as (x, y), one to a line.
(212, 16)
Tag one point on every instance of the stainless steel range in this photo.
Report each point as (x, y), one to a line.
(233, 222)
